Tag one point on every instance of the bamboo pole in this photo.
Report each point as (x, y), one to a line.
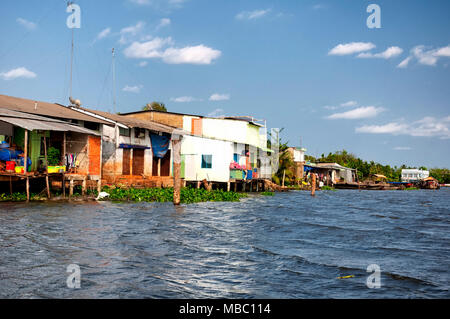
(46, 162)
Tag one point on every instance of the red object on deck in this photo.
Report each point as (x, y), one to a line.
(10, 166)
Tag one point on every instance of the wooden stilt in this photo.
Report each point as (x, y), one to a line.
(64, 185)
(10, 185)
(25, 164)
(46, 163)
(228, 186)
(257, 186)
(313, 185)
(71, 188)
(28, 188)
(235, 187)
(99, 186)
(176, 147)
(84, 186)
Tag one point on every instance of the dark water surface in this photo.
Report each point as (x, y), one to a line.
(286, 246)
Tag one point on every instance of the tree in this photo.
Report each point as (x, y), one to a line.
(155, 106)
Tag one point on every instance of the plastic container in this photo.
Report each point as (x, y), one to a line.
(10, 166)
(56, 169)
(20, 169)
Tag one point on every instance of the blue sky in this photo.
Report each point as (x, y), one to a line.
(311, 67)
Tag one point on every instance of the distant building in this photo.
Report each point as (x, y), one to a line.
(298, 156)
(414, 175)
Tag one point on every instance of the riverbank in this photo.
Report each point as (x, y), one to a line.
(161, 195)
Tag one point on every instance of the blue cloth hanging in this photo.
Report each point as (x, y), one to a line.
(160, 145)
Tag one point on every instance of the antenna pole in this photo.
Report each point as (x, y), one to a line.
(114, 79)
(71, 65)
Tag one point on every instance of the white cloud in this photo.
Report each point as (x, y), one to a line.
(349, 104)
(18, 73)
(104, 33)
(199, 54)
(143, 64)
(184, 99)
(391, 52)
(404, 63)
(351, 48)
(251, 15)
(390, 128)
(219, 97)
(426, 127)
(131, 31)
(359, 113)
(133, 89)
(163, 23)
(443, 52)
(140, 2)
(160, 3)
(402, 148)
(147, 50)
(27, 24)
(342, 105)
(216, 113)
(425, 56)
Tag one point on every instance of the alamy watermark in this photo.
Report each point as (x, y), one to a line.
(374, 20)
(73, 20)
(374, 280)
(74, 279)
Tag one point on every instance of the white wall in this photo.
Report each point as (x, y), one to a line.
(222, 154)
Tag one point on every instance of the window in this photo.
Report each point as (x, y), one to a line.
(124, 131)
(206, 161)
(92, 126)
(139, 132)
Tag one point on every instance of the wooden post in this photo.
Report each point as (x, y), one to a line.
(71, 188)
(25, 159)
(25, 164)
(235, 187)
(228, 187)
(313, 185)
(99, 186)
(28, 189)
(46, 162)
(10, 185)
(64, 185)
(84, 186)
(257, 186)
(176, 147)
(284, 177)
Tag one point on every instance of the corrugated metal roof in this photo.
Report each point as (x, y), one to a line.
(45, 109)
(40, 125)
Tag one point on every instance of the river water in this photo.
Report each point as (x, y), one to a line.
(287, 246)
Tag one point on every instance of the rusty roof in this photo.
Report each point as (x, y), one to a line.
(45, 109)
(133, 122)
